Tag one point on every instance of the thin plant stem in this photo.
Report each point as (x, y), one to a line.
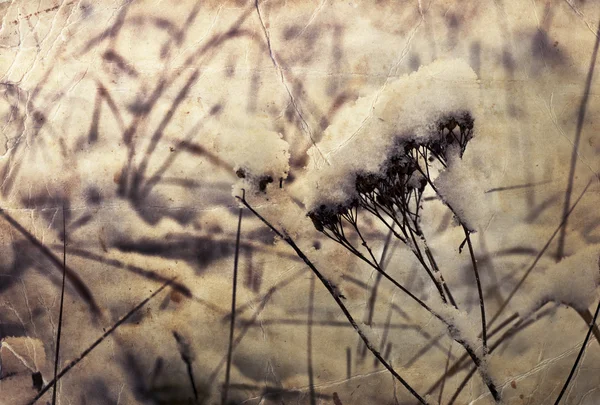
(479, 290)
(373, 296)
(62, 300)
(336, 296)
(579, 356)
(445, 373)
(311, 300)
(233, 298)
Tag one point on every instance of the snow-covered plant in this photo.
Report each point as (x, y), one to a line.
(407, 149)
(258, 155)
(393, 197)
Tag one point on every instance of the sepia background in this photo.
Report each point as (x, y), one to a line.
(124, 123)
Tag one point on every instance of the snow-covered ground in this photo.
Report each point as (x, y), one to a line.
(132, 126)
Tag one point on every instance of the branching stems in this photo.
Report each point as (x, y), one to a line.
(334, 292)
(336, 296)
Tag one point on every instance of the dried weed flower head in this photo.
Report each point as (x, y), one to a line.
(453, 133)
(257, 155)
(255, 182)
(328, 219)
(425, 109)
(393, 194)
(371, 173)
(393, 197)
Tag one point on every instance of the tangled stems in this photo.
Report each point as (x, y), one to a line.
(333, 291)
(393, 197)
(335, 231)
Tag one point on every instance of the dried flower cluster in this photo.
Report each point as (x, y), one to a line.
(393, 196)
(407, 169)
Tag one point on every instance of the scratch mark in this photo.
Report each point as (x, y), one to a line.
(304, 124)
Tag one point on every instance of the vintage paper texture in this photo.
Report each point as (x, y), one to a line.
(130, 127)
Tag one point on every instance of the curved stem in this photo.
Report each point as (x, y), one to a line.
(333, 291)
(336, 296)
(233, 306)
(587, 338)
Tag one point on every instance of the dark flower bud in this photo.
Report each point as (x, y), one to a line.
(324, 217)
(263, 181)
(366, 183)
(316, 221)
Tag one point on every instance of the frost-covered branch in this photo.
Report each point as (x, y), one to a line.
(455, 321)
(333, 291)
(479, 291)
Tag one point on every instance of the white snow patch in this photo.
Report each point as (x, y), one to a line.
(463, 327)
(573, 281)
(255, 152)
(463, 189)
(361, 136)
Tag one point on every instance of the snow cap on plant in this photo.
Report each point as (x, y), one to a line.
(409, 109)
(258, 155)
